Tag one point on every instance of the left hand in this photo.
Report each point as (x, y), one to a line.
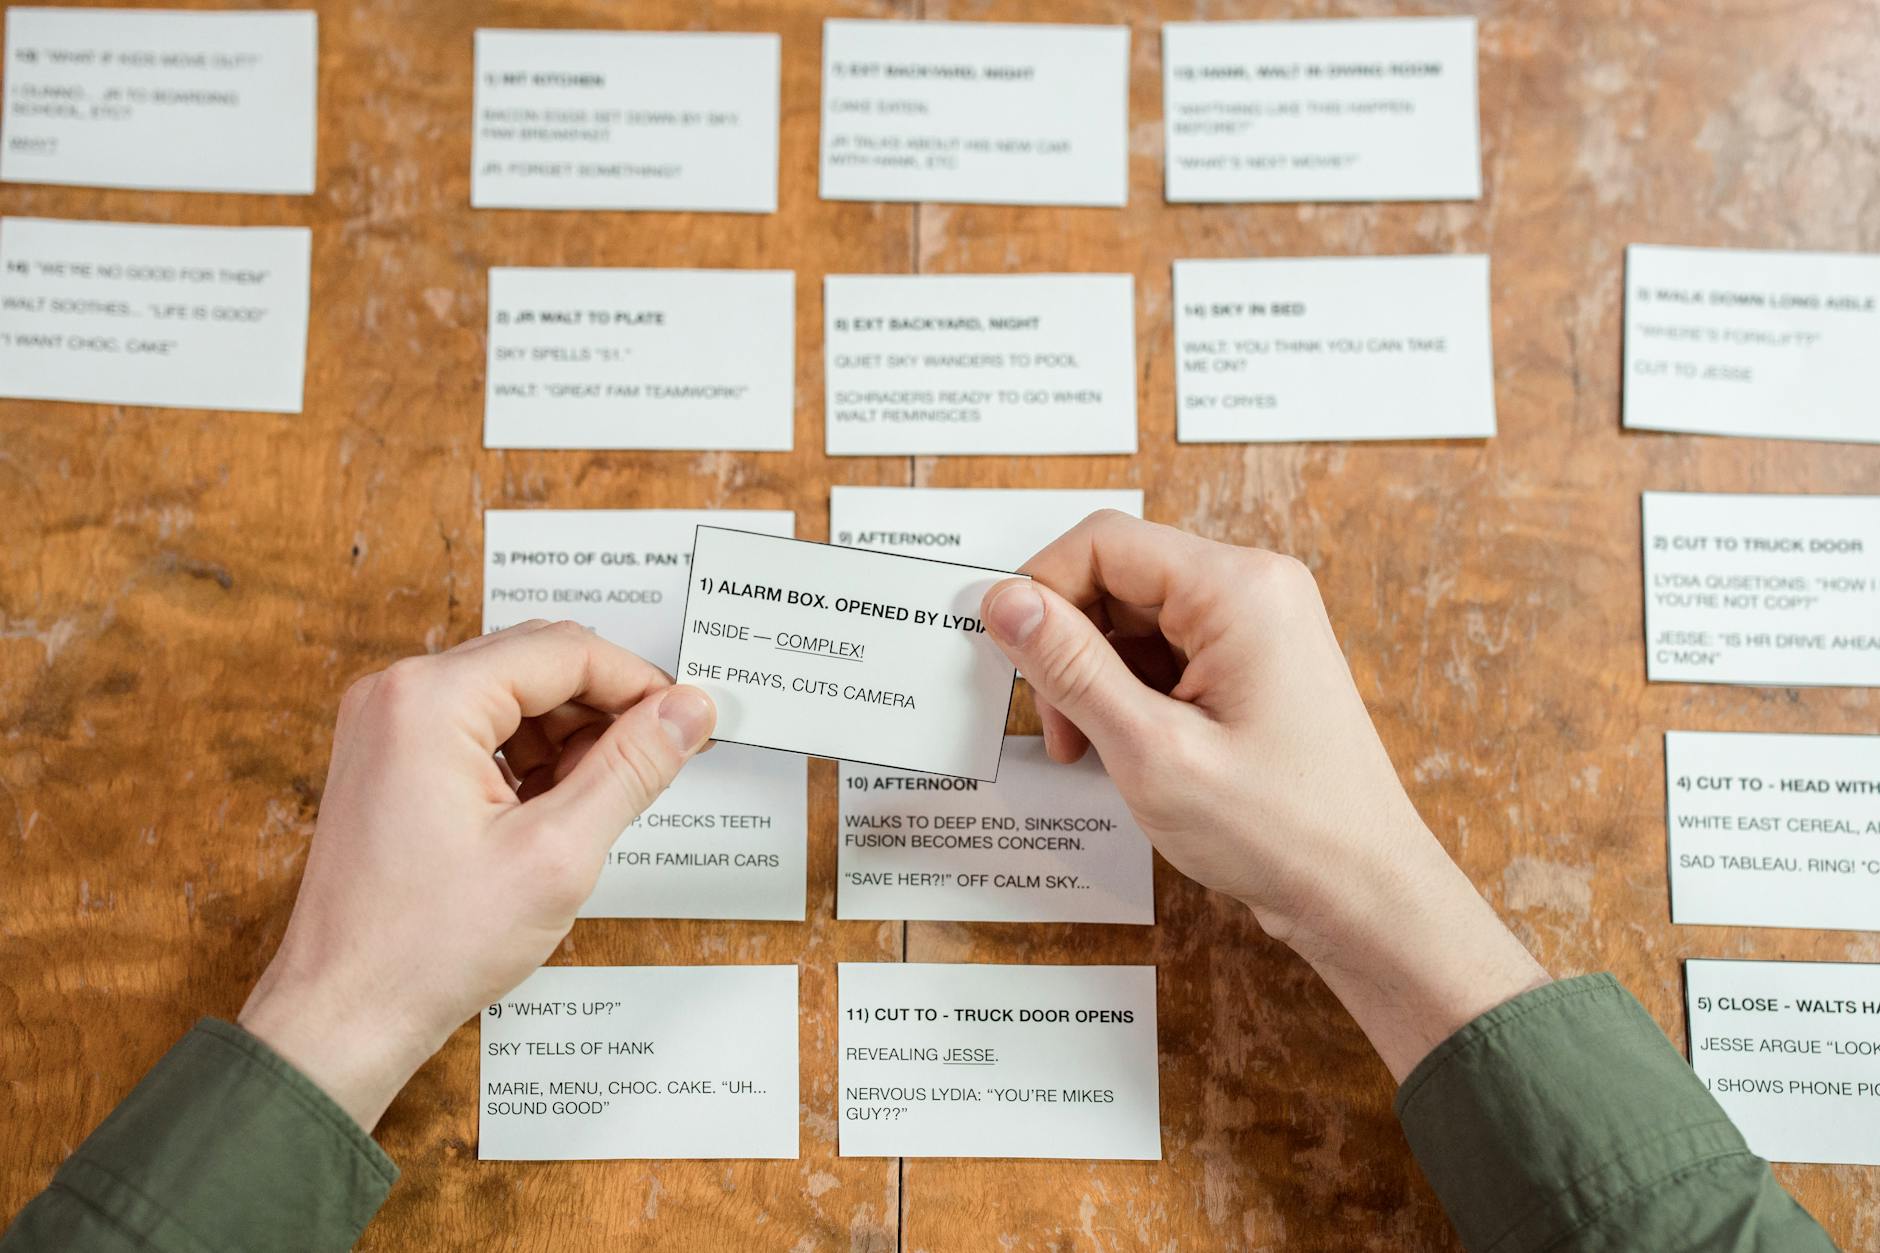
(440, 877)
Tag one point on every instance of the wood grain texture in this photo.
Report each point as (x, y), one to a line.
(184, 594)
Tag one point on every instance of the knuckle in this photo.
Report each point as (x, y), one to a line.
(356, 693)
(564, 871)
(1183, 757)
(405, 670)
(1107, 521)
(403, 688)
(1131, 725)
(567, 630)
(1284, 578)
(1293, 570)
(1180, 767)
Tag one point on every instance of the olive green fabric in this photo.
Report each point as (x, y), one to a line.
(223, 1148)
(1561, 1121)
(1564, 1121)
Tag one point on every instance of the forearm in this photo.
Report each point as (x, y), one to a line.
(222, 1145)
(1412, 951)
(354, 1046)
(1547, 1116)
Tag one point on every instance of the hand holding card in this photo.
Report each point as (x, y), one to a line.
(844, 653)
(726, 840)
(1210, 682)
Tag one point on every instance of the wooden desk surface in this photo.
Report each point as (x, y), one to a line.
(183, 596)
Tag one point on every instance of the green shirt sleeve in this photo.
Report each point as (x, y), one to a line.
(223, 1148)
(1565, 1121)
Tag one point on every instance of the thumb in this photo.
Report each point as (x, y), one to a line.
(1069, 663)
(627, 766)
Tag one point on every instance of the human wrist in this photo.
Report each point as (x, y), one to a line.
(358, 1055)
(1340, 903)
(1411, 949)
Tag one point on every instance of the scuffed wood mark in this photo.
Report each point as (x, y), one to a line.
(196, 568)
(1531, 883)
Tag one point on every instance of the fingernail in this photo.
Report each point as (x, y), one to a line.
(1015, 613)
(687, 716)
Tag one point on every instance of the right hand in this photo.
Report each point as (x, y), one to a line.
(1208, 679)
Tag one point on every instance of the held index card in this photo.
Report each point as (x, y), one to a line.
(844, 653)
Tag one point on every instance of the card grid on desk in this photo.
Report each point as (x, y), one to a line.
(1770, 590)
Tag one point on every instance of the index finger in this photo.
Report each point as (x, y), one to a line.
(529, 674)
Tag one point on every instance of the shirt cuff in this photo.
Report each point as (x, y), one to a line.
(224, 1145)
(1548, 1111)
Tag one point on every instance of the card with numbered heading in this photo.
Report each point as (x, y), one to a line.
(975, 112)
(1790, 1051)
(163, 100)
(1776, 345)
(661, 359)
(1333, 348)
(1000, 527)
(614, 119)
(997, 1061)
(979, 364)
(727, 839)
(1351, 109)
(844, 653)
(1773, 830)
(1046, 843)
(1762, 589)
(583, 1063)
(181, 317)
